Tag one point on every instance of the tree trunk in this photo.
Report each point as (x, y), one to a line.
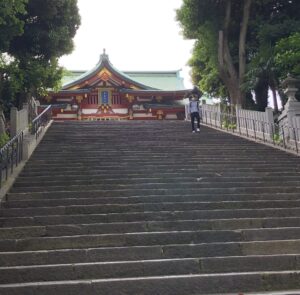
(274, 86)
(2, 123)
(274, 94)
(261, 94)
(232, 78)
(242, 47)
(226, 67)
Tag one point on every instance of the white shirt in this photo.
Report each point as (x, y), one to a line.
(194, 106)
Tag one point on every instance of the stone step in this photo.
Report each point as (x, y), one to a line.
(167, 167)
(106, 254)
(68, 200)
(128, 153)
(167, 285)
(147, 268)
(151, 215)
(144, 207)
(148, 238)
(109, 176)
(109, 163)
(121, 240)
(146, 194)
(126, 208)
(148, 216)
(139, 171)
(126, 149)
(78, 161)
(290, 292)
(151, 226)
(159, 189)
(60, 181)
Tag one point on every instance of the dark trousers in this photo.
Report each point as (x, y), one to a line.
(194, 116)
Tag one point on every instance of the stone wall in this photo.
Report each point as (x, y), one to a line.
(18, 120)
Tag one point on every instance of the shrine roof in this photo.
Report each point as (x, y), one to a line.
(103, 64)
(159, 80)
(164, 80)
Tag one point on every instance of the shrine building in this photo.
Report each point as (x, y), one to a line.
(105, 93)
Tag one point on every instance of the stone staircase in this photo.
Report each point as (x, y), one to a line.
(148, 208)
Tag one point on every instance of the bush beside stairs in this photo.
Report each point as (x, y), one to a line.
(148, 208)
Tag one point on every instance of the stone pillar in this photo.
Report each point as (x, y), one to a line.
(13, 121)
(270, 122)
(79, 113)
(25, 118)
(291, 108)
(187, 111)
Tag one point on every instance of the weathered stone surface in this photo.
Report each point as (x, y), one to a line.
(149, 208)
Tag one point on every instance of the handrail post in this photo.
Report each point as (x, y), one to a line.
(283, 137)
(246, 127)
(296, 143)
(254, 130)
(216, 119)
(263, 130)
(239, 123)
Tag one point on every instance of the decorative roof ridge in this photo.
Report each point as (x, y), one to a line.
(126, 71)
(104, 60)
(154, 72)
(154, 90)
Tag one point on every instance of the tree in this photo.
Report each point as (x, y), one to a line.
(204, 66)
(10, 23)
(243, 33)
(227, 19)
(287, 55)
(273, 21)
(10, 26)
(11, 83)
(48, 30)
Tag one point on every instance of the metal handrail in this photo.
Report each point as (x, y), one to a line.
(11, 154)
(286, 137)
(40, 121)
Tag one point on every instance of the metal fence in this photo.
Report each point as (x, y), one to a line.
(283, 136)
(11, 154)
(41, 121)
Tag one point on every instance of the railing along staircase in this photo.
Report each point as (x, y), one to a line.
(150, 208)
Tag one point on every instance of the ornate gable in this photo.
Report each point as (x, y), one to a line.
(105, 75)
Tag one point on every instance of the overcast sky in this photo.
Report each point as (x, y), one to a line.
(137, 35)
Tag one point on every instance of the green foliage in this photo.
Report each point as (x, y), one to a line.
(41, 75)
(204, 64)
(195, 13)
(268, 59)
(287, 55)
(33, 35)
(11, 82)
(50, 26)
(10, 23)
(227, 125)
(4, 138)
(277, 139)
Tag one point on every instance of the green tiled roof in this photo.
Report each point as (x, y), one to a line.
(71, 76)
(164, 80)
